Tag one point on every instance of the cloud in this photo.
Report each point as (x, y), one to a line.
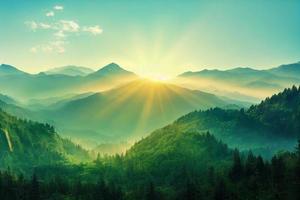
(59, 34)
(58, 7)
(95, 30)
(44, 26)
(50, 14)
(68, 26)
(57, 46)
(34, 25)
(60, 31)
(31, 24)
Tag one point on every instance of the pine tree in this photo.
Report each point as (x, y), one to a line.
(297, 172)
(220, 191)
(236, 171)
(150, 193)
(78, 190)
(34, 188)
(278, 169)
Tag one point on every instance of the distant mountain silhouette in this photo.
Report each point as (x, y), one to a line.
(112, 69)
(130, 111)
(244, 80)
(25, 86)
(10, 70)
(70, 70)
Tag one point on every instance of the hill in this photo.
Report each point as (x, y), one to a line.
(25, 144)
(289, 70)
(8, 99)
(267, 127)
(70, 70)
(171, 147)
(130, 111)
(10, 70)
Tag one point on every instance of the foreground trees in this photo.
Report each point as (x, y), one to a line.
(247, 177)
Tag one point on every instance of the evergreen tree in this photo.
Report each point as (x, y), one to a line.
(101, 191)
(78, 190)
(278, 170)
(150, 193)
(220, 191)
(297, 172)
(236, 171)
(34, 188)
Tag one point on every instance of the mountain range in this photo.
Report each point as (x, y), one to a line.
(24, 86)
(127, 112)
(242, 83)
(114, 105)
(70, 70)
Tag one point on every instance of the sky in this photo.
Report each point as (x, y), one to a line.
(149, 37)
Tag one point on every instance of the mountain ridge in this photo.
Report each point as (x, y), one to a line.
(70, 70)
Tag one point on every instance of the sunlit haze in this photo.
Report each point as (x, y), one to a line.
(156, 39)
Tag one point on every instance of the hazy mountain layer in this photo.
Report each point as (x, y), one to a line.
(70, 70)
(24, 87)
(242, 83)
(128, 112)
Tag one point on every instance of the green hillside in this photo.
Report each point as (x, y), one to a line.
(26, 144)
(271, 125)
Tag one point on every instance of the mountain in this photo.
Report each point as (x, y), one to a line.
(289, 70)
(266, 128)
(246, 81)
(25, 144)
(8, 99)
(25, 86)
(17, 110)
(111, 69)
(70, 70)
(129, 111)
(9, 70)
(169, 148)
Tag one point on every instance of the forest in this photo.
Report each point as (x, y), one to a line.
(182, 160)
(149, 100)
(244, 176)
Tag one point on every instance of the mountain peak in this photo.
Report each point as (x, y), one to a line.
(9, 69)
(112, 67)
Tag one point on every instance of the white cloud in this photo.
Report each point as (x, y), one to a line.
(50, 14)
(31, 24)
(57, 46)
(59, 34)
(58, 7)
(44, 26)
(68, 26)
(34, 25)
(60, 31)
(95, 30)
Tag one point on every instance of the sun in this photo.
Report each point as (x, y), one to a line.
(157, 77)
